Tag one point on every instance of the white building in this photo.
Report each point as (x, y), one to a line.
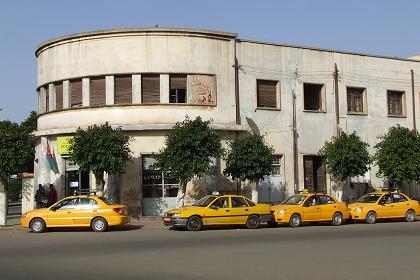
(145, 80)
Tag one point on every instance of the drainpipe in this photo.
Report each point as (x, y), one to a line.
(337, 105)
(413, 101)
(236, 66)
(295, 147)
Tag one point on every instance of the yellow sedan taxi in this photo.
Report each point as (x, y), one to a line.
(384, 205)
(218, 210)
(92, 211)
(309, 207)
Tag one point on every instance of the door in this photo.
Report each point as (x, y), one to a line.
(218, 212)
(159, 191)
(62, 213)
(311, 209)
(85, 210)
(386, 207)
(328, 207)
(240, 210)
(401, 204)
(314, 173)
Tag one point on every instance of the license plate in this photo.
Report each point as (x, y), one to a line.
(166, 219)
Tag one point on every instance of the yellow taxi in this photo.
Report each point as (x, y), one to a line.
(92, 211)
(309, 207)
(218, 210)
(384, 205)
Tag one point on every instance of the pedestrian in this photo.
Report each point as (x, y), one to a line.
(39, 195)
(351, 194)
(52, 196)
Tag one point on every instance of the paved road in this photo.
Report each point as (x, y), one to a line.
(382, 251)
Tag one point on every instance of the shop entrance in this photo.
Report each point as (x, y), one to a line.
(75, 180)
(159, 192)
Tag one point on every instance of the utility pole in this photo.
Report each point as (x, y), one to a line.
(337, 104)
(413, 101)
(295, 146)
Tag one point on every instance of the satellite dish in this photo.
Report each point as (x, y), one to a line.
(253, 126)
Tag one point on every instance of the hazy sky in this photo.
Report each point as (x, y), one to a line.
(381, 27)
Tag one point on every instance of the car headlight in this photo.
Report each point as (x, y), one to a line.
(281, 211)
(176, 215)
(357, 209)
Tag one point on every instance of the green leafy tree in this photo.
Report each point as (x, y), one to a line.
(190, 148)
(346, 156)
(249, 158)
(100, 149)
(16, 150)
(30, 125)
(398, 155)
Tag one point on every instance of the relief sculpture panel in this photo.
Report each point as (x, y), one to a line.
(203, 89)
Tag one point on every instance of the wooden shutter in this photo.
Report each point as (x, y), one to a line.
(320, 174)
(123, 89)
(76, 93)
(47, 98)
(395, 102)
(355, 100)
(266, 93)
(178, 82)
(308, 172)
(97, 91)
(59, 96)
(150, 88)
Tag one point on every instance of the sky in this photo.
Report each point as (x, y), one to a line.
(380, 27)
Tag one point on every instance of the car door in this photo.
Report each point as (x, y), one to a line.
(84, 212)
(240, 210)
(218, 212)
(401, 204)
(311, 209)
(61, 214)
(328, 207)
(386, 207)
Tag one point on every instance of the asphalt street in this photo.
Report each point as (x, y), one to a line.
(387, 250)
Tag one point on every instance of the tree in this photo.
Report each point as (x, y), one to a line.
(249, 158)
(189, 149)
(100, 149)
(30, 125)
(398, 155)
(346, 156)
(16, 150)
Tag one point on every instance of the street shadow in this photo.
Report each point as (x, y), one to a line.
(127, 227)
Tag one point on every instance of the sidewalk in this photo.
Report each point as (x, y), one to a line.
(13, 223)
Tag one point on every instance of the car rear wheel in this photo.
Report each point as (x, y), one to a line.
(370, 218)
(295, 220)
(194, 223)
(337, 219)
(37, 225)
(99, 224)
(253, 222)
(410, 216)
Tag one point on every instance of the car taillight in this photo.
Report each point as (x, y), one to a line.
(119, 210)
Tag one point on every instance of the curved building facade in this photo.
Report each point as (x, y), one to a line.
(145, 80)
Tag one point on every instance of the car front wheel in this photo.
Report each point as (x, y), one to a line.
(371, 218)
(295, 220)
(194, 223)
(37, 225)
(253, 222)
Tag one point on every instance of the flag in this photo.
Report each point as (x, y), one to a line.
(51, 160)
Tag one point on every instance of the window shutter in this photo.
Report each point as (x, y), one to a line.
(320, 176)
(59, 96)
(266, 93)
(47, 98)
(150, 88)
(178, 82)
(123, 89)
(97, 91)
(76, 93)
(308, 173)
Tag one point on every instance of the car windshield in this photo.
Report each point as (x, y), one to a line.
(295, 200)
(369, 198)
(205, 201)
(106, 200)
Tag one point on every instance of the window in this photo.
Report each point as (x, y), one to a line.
(59, 96)
(314, 173)
(276, 165)
(97, 91)
(324, 199)
(386, 199)
(313, 95)
(250, 203)
(123, 89)
(67, 204)
(312, 201)
(266, 94)
(238, 202)
(396, 103)
(150, 88)
(399, 197)
(355, 100)
(47, 99)
(76, 93)
(87, 203)
(178, 89)
(155, 184)
(221, 202)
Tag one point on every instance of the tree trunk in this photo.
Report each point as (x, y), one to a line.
(181, 195)
(100, 183)
(339, 187)
(4, 201)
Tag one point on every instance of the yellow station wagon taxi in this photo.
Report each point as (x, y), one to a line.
(384, 205)
(93, 211)
(309, 207)
(218, 210)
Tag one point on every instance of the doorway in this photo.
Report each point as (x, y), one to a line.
(314, 173)
(75, 180)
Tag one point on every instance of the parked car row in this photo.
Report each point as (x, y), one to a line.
(298, 209)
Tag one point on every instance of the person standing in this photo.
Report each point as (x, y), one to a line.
(39, 195)
(52, 196)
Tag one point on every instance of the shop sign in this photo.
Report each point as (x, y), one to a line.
(63, 145)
